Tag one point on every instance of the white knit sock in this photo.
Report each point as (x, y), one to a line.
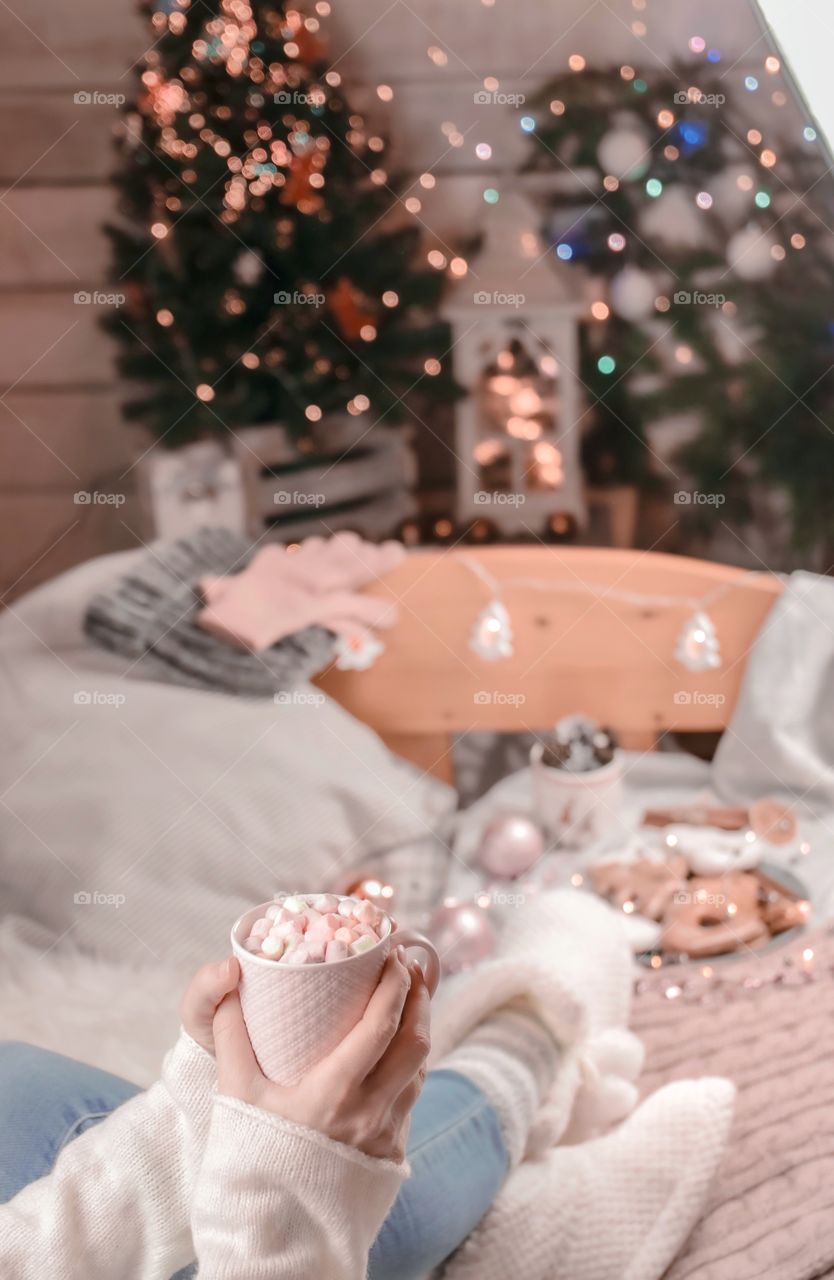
(512, 1058)
(616, 1208)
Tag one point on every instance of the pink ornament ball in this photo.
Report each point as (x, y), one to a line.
(511, 844)
(463, 934)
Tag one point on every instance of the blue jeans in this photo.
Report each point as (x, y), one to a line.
(456, 1151)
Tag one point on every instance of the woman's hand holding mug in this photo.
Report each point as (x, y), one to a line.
(362, 1093)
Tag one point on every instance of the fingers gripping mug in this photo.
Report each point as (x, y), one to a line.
(297, 1014)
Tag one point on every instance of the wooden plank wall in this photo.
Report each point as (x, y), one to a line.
(60, 426)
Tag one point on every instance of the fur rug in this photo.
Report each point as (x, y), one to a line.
(120, 1017)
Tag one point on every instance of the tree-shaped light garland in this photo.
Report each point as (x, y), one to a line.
(697, 647)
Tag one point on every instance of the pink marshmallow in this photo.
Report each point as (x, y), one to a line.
(367, 931)
(336, 950)
(347, 907)
(287, 928)
(254, 944)
(326, 902)
(344, 935)
(319, 933)
(366, 913)
(260, 928)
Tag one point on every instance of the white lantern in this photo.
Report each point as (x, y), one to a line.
(516, 353)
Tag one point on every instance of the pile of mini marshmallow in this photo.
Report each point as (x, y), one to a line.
(315, 929)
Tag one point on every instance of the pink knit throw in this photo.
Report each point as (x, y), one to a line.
(767, 1022)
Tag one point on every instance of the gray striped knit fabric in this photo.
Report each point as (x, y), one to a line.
(149, 616)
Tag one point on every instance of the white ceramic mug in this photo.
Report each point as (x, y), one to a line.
(297, 1014)
(577, 809)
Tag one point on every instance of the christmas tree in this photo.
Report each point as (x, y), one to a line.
(709, 242)
(270, 268)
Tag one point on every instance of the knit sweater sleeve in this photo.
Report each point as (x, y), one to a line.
(117, 1202)
(276, 1201)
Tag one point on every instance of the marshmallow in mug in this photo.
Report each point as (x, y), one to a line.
(316, 928)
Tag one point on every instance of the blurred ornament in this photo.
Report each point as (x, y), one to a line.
(624, 152)
(560, 527)
(732, 191)
(443, 531)
(748, 253)
(409, 533)
(349, 308)
(673, 219)
(482, 531)
(311, 48)
(247, 267)
(510, 845)
(463, 934)
(690, 135)
(492, 635)
(698, 648)
(298, 189)
(632, 293)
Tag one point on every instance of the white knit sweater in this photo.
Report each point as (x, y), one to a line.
(180, 1172)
